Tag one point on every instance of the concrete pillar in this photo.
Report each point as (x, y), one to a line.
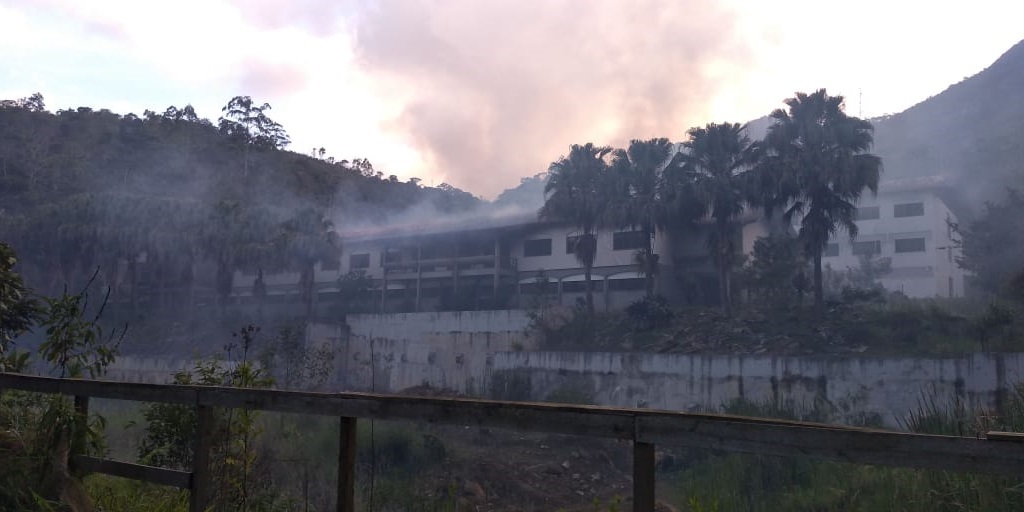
(419, 274)
(497, 269)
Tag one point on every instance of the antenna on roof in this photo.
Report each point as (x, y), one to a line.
(860, 103)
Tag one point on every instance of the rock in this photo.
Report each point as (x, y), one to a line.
(473, 490)
(595, 477)
(575, 476)
(565, 464)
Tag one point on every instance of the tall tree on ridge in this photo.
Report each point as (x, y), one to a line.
(250, 125)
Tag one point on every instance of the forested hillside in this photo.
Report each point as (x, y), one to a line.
(973, 132)
(87, 189)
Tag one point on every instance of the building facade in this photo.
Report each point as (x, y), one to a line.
(907, 222)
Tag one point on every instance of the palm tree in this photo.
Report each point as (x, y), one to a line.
(309, 238)
(576, 193)
(716, 167)
(636, 198)
(816, 167)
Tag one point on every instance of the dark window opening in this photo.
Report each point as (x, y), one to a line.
(908, 210)
(910, 245)
(359, 261)
(867, 248)
(629, 240)
(635, 283)
(539, 247)
(570, 243)
(868, 213)
(581, 286)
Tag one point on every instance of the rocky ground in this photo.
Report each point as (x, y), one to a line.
(505, 471)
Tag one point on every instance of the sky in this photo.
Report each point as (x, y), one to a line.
(479, 93)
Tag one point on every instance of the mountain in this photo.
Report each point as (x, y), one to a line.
(972, 133)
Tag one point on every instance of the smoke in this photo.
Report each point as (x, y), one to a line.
(492, 91)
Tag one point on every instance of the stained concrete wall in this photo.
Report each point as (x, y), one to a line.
(884, 389)
(480, 353)
(510, 324)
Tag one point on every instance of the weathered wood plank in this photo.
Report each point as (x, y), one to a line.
(1014, 437)
(717, 432)
(78, 435)
(201, 481)
(29, 383)
(859, 446)
(643, 477)
(535, 417)
(135, 391)
(347, 465)
(160, 476)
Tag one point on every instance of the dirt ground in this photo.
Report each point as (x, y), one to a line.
(505, 471)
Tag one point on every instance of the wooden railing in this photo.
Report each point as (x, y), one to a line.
(998, 453)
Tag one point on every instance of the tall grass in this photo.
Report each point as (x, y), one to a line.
(755, 483)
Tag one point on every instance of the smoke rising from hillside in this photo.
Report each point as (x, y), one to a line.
(497, 90)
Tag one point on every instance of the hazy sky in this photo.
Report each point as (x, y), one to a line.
(479, 93)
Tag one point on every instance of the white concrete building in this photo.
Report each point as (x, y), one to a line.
(908, 222)
(497, 263)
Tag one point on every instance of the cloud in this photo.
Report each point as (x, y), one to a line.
(262, 79)
(492, 91)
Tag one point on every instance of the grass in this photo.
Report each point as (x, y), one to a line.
(756, 483)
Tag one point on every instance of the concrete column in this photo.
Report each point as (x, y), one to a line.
(497, 267)
(419, 274)
(384, 281)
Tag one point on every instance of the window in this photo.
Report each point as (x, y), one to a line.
(831, 250)
(867, 248)
(359, 261)
(626, 284)
(570, 243)
(629, 240)
(539, 247)
(581, 286)
(910, 245)
(908, 210)
(868, 213)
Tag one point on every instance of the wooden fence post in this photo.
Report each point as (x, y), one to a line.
(643, 477)
(347, 465)
(76, 444)
(201, 483)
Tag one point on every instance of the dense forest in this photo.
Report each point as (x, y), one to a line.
(85, 189)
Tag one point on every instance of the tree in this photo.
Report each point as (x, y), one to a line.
(816, 165)
(992, 246)
(717, 164)
(636, 197)
(775, 273)
(19, 309)
(249, 124)
(576, 193)
(309, 238)
(33, 103)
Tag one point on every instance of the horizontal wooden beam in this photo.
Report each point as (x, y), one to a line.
(860, 446)
(524, 416)
(162, 476)
(708, 431)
